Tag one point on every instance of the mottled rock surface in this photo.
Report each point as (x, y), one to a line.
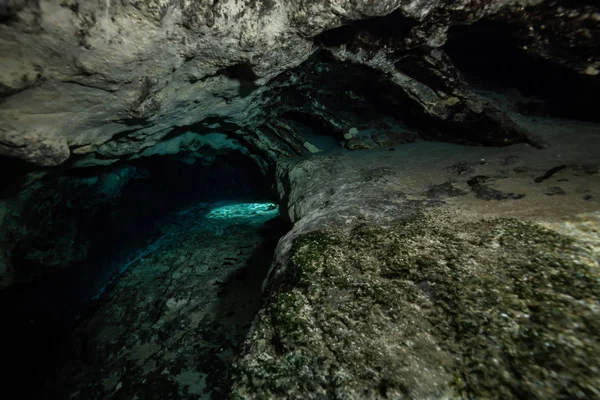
(430, 308)
(106, 79)
(401, 279)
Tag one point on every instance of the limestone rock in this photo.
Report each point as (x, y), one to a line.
(352, 132)
(564, 33)
(428, 309)
(399, 280)
(77, 75)
(311, 147)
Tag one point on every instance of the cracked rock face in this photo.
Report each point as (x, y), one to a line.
(104, 80)
(424, 273)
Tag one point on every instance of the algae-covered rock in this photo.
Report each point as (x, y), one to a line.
(428, 309)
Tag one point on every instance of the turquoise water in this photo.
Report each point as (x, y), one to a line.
(243, 211)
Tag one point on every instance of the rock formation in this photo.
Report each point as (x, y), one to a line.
(424, 273)
(103, 80)
(444, 211)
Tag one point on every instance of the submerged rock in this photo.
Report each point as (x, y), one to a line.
(429, 308)
(170, 325)
(396, 283)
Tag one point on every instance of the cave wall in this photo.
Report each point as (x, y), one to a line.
(104, 80)
(99, 84)
(434, 271)
(78, 218)
(93, 84)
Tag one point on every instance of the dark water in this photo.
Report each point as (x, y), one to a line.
(38, 317)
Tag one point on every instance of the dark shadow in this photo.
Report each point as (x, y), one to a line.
(371, 33)
(240, 295)
(38, 316)
(375, 99)
(490, 55)
(317, 124)
(13, 176)
(244, 74)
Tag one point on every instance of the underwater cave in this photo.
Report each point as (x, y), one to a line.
(492, 57)
(267, 200)
(91, 230)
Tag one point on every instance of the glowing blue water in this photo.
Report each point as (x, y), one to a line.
(243, 210)
(220, 213)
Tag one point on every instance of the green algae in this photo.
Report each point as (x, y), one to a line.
(431, 309)
(307, 257)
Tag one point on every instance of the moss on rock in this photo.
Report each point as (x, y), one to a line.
(429, 309)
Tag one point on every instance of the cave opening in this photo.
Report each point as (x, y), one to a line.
(492, 56)
(142, 247)
(390, 30)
